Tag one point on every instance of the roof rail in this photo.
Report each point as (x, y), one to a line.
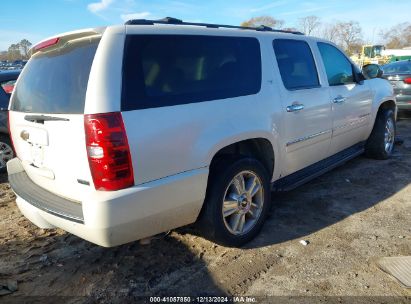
(175, 21)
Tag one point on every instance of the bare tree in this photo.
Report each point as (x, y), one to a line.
(24, 47)
(357, 47)
(17, 51)
(330, 32)
(309, 24)
(349, 34)
(13, 52)
(263, 20)
(398, 36)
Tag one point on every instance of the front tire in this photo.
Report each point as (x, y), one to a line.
(6, 152)
(380, 144)
(237, 201)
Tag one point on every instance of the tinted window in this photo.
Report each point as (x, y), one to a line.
(165, 70)
(400, 67)
(338, 68)
(55, 81)
(296, 64)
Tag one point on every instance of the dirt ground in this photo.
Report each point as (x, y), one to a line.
(350, 216)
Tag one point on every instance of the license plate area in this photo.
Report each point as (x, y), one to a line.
(37, 139)
(37, 155)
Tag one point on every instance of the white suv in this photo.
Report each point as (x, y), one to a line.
(127, 131)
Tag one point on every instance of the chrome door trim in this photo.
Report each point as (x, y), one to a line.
(298, 140)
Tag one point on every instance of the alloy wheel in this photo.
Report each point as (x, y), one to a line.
(389, 135)
(243, 202)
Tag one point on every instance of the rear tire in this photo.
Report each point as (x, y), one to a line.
(237, 201)
(380, 144)
(6, 152)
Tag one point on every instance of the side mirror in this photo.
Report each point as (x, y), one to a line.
(371, 71)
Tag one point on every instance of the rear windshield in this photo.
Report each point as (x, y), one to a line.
(55, 81)
(166, 70)
(400, 67)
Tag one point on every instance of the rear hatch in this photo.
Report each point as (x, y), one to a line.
(399, 75)
(401, 83)
(47, 113)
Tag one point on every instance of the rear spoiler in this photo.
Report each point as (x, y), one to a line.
(61, 39)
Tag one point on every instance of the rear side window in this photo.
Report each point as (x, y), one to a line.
(55, 81)
(338, 68)
(166, 70)
(296, 64)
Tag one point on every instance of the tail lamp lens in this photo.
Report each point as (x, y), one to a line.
(108, 151)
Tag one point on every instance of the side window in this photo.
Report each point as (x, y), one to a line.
(338, 68)
(296, 64)
(167, 70)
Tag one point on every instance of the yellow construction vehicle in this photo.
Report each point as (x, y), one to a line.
(371, 54)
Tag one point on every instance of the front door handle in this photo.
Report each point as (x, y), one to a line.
(295, 107)
(339, 99)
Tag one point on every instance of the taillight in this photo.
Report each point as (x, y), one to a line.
(407, 80)
(8, 88)
(47, 43)
(108, 151)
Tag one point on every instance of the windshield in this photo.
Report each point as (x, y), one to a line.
(373, 51)
(55, 81)
(378, 50)
(400, 67)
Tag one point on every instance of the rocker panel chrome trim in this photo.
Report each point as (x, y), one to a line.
(307, 137)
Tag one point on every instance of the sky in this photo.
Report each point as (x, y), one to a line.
(38, 19)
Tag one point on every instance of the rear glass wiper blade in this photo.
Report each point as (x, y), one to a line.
(43, 118)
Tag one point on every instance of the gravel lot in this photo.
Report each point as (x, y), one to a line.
(350, 216)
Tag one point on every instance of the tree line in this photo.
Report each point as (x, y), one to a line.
(17, 51)
(348, 35)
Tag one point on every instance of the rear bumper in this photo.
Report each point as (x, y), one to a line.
(44, 200)
(403, 102)
(114, 218)
(404, 106)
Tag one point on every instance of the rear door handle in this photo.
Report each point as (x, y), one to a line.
(295, 107)
(339, 99)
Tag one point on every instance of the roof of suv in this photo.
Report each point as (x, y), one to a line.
(168, 22)
(175, 21)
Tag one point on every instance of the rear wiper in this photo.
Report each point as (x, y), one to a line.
(42, 118)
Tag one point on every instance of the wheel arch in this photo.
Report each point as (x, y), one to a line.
(259, 147)
(388, 104)
(385, 103)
